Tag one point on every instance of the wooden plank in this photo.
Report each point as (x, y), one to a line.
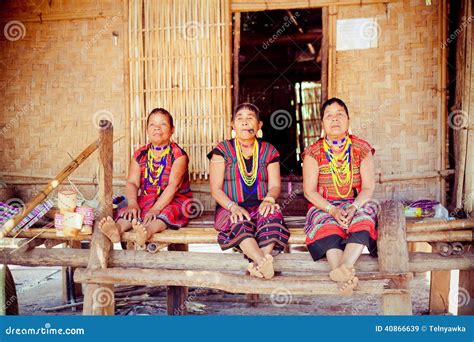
(419, 262)
(439, 292)
(99, 298)
(393, 256)
(233, 283)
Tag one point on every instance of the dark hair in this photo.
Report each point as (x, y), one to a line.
(163, 112)
(249, 106)
(329, 102)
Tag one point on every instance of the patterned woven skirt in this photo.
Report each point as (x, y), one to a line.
(265, 230)
(175, 214)
(324, 233)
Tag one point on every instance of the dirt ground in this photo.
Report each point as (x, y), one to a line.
(40, 289)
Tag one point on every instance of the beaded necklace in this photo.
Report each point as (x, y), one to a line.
(340, 166)
(248, 177)
(155, 166)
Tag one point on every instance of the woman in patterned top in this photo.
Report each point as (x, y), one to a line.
(245, 182)
(338, 181)
(158, 188)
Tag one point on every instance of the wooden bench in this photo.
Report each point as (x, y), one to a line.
(177, 268)
(101, 267)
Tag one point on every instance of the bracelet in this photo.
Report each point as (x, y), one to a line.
(355, 205)
(230, 204)
(269, 199)
(329, 208)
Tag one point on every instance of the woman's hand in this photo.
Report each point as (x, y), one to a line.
(151, 215)
(351, 210)
(340, 215)
(267, 207)
(238, 214)
(132, 212)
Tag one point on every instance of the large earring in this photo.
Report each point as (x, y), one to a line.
(322, 133)
(233, 134)
(260, 134)
(349, 131)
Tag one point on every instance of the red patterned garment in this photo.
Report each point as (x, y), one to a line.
(322, 230)
(175, 214)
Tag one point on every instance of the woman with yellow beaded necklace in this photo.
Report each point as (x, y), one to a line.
(245, 182)
(338, 181)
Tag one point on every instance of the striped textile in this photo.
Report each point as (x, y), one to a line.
(176, 213)
(265, 230)
(360, 149)
(233, 184)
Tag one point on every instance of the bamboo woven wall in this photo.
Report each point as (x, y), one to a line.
(391, 94)
(180, 59)
(57, 81)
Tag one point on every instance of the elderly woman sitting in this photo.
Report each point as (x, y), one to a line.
(158, 189)
(245, 182)
(338, 181)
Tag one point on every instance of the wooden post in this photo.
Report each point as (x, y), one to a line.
(324, 56)
(439, 289)
(177, 295)
(393, 257)
(99, 298)
(236, 55)
(466, 289)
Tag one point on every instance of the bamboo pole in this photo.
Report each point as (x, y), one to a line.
(209, 235)
(236, 57)
(43, 194)
(100, 245)
(265, 5)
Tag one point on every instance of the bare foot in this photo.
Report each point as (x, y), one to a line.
(342, 273)
(254, 272)
(110, 229)
(346, 289)
(266, 267)
(141, 234)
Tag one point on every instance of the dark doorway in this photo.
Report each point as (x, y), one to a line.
(280, 72)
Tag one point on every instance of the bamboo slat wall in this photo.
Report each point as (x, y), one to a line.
(180, 59)
(55, 83)
(391, 92)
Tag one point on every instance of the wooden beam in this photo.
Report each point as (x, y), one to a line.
(233, 283)
(419, 262)
(99, 298)
(393, 256)
(265, 5)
